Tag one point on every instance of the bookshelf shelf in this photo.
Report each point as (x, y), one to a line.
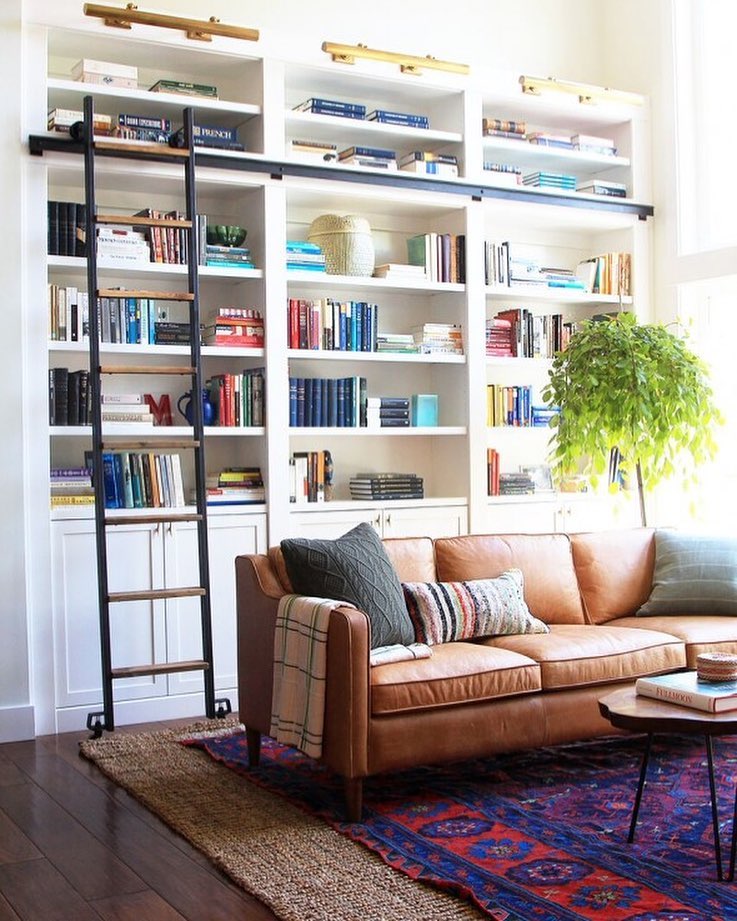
(364, 431)
(351, 130)
(321, 281)
(378, 357)
(531, 157)
(556, 296)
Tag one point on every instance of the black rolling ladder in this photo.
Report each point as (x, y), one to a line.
(111, 603)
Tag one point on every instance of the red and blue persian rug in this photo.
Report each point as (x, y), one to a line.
(542, 835)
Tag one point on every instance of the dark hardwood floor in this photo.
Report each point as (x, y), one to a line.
(74, 847)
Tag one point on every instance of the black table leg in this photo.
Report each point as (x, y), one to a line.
(714, 809)
(641, 786)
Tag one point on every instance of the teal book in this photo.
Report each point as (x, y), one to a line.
(687, 690)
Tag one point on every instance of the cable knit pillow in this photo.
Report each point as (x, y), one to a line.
(694, 574)
(445, 611)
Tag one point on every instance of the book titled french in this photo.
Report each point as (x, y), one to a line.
(686, 690)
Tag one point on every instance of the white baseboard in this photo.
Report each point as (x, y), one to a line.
(16, 724)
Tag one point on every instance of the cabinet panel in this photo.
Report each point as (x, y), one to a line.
(329, 525)
(137, 628)
(527, 517)
(432, 521)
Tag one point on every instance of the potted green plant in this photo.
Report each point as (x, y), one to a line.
(635, 389)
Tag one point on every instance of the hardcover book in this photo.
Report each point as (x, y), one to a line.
(686, 690)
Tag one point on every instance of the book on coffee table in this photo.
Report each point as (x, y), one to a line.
(686, 690)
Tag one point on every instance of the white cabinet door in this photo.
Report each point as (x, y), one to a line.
(597, 513)
(135, 558)
(228, 536)
(332, 524)
(522, 517)
(425, 521)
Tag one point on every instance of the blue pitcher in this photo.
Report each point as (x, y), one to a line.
(208, 410)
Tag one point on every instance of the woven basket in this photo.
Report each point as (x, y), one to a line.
(346, 242)
(716, 666)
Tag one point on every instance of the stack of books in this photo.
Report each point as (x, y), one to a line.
(125, 409)
(382, 486)
(169, 332)
(62, 120)
(230, 257)
(503, 174)
(122, 246)
(542, 415)
(71, 486)
(371, 157)
(241, 327)
(305, 256)
(147, 128)
(504, 128)
(182, 88)
(400, 271)
(387, 412)
(216, 136)
(546, 139)
(499, 341)
(235, 486)
(601, 187)
(319, 152)
(396, 342)
(332, 107)
(430, 164)
(439, 338)
(559, 181)
(516, 484)
(406, 119)
(687, 690)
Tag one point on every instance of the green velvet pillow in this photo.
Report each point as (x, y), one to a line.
(694, 574)
(446, 611)
(355, 568)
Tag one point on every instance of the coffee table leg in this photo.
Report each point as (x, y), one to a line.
(714, 810)
(640, 786)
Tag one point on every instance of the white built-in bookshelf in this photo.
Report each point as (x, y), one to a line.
(276, 196)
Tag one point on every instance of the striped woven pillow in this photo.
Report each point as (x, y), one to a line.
(442, 612)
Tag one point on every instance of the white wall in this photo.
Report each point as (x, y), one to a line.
(569, 39)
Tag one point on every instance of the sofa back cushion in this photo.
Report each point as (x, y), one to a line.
(614, 570)
(545, 560)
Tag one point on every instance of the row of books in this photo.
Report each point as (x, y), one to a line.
(442, 255)
(66, 224)
(69, 397)
(334, 402)
(518, 333)
(71, 486)
(235, 486)
(332, 325)
(134, 479)
(609, 273)
(237, 399)
(68, 314)
(382, 486)
(355, 110)
(517, 130)
(508, 405)
(426, 162)
(310, 477)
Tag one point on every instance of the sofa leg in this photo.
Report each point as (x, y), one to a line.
(353, 798)
(253, 741)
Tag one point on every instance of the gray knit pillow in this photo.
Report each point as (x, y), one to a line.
(355, 568)
(694, 574)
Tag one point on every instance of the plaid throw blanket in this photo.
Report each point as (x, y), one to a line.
(383, 655)
(300, 664)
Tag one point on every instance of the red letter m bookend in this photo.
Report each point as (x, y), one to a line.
(161, 411)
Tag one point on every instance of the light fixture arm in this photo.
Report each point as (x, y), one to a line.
(196, 29)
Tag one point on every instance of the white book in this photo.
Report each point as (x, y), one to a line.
(176, 469)
(686, 690)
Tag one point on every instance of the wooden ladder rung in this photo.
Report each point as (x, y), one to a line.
(157, 594)
(162, 668)
(159, 150)
(151, 519)
(146, 369)
(142, 444)
(123, 293)
(135, 220)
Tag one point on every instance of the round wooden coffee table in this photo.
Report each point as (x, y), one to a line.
(627, 710)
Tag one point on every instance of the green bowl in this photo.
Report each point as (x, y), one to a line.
(226, 234)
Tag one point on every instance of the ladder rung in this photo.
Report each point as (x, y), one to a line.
(123, 293)
(160, 150)
(138, 221)
(163, 668)
(142, 444)
(146, 369)
(151, 519)
(157, 594)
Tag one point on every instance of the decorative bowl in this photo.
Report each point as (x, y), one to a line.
(226, 234)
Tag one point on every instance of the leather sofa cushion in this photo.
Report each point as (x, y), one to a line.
(573, 655)
(456, 673)
(700, 632)
(551, 589)
(615, 571)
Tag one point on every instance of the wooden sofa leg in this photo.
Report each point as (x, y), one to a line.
(353, 799)
(253, 741)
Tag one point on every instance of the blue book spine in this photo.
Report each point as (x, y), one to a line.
(119, 479)
(317, 401)
(358, 309)
(309, 382)
(300, 401)
(292, 401)
(332, 402)
(340, 398)
(110, 486)
(343, 326)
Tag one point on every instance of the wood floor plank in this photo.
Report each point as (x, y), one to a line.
(10, 774)
(181, 881)
(6, 912)
(92, 868)
(138, 906)
(14, 845)
(36, 890)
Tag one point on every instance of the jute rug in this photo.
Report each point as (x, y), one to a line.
(292, 861)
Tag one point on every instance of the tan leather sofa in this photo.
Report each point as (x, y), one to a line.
(479, 697)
